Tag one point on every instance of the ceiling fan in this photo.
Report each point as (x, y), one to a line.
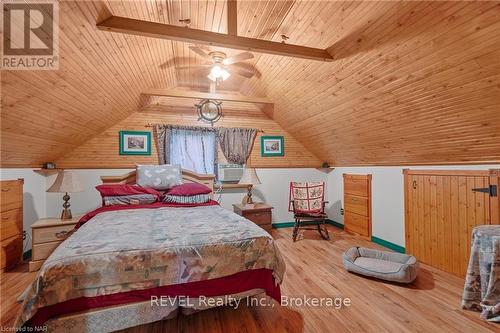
(220, 66)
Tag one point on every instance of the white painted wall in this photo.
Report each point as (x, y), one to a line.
(387, 197)
(81, 202)
(387, 194)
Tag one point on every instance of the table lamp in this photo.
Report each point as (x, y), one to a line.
(66, 182)
(249, 177)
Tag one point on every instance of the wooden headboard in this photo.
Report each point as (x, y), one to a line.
(187, 177)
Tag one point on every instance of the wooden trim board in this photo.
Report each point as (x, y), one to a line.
(447, 172)
(232, 17)
(203, 95)
(495, 200)
(166, 31)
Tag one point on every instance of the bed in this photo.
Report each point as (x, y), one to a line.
(130, 266)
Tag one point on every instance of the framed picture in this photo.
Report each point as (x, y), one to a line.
(135, 143)
(272, 146)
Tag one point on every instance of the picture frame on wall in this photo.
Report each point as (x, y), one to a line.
(272, 146)
(135, 143)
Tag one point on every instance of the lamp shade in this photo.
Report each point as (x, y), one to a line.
(250, 177)
(66, 182)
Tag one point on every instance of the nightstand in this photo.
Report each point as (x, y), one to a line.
(47, 234)
(258, 213)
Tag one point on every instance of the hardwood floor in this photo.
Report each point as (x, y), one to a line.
(314, 269)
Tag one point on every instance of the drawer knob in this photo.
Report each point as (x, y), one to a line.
(62, 234)
(5, 218)
(5, 189)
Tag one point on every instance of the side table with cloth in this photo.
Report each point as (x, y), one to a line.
(482, 282)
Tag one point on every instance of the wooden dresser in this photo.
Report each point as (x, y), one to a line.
(48, 233)
(258, 213)
(11, 223)
(358, 204)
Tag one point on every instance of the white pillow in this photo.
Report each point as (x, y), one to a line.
(159, 177)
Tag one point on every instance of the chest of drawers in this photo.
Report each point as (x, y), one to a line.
(357, 204)
(11, 223)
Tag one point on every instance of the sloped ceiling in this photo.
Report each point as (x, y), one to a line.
(412, 82)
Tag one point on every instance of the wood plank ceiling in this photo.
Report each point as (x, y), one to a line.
(411, 83)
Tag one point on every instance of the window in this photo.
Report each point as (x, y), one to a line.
(194, 150)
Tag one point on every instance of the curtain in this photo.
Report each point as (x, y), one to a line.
(193, 147)
(162, 134)
(236, 143)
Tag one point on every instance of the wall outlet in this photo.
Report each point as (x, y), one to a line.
(341, 211)
(24, 234)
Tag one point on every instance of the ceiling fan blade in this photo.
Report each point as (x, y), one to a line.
(239, 57)
(200, 52)
(242, 72)
(180, 61)
(194, 67)
(246, 67)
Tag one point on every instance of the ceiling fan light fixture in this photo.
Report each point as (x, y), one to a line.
(218, 73)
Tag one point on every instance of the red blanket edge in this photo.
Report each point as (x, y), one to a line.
(261, 278)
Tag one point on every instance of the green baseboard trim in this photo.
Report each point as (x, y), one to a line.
(282, 225)
(278, 225)
(27, 255)
(335, 224)
(388, 245)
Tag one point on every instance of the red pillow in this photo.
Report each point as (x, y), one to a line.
(188, 189)
(120, 189)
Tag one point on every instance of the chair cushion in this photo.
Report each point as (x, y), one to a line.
(306, 197)
(385, 265)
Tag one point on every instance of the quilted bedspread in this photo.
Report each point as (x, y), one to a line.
(120, 251)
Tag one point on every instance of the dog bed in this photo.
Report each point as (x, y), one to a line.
(384, 265)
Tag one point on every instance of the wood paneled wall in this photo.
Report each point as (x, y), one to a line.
(102, 150)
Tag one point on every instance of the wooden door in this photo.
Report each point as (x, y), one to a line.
(358, 204)
(495, 196)
(441, 209)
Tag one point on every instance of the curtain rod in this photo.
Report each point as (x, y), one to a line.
(149, 125)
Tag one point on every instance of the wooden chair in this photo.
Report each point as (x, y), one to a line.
(308, 205)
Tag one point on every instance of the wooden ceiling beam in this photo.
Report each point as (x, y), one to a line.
(232, 17)
(184, 34)
(202, 95)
